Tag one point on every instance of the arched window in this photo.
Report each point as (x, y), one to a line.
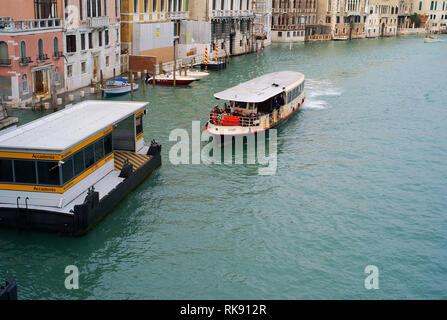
(40, 47)
(56, 46)
(23, 52)
(24, 83)
(4, 55)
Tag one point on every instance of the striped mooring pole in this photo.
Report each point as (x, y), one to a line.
(206, 58)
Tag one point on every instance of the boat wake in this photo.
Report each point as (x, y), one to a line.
(316, 90)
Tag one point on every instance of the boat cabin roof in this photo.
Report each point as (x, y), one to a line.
(261, 88)
(64, 129)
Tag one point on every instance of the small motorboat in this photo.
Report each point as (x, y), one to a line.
(340, 38)
(429, 39)
(168, 79)
(119, 86)
(193, 73)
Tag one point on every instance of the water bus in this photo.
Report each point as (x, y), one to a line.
(258, 104)
(119, 86)
(65, 171)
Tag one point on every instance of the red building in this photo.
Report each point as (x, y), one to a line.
(31, 45)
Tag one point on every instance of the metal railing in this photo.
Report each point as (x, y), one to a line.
(58, 54)
(244, 121)
(42, 57)
(25, 60)
(98, 22)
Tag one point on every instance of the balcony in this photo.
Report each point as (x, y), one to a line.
(58, 54)
(13, 26)
(42, 57)
(5, 62)
(179, 15)
(99, 22)
(25, 61)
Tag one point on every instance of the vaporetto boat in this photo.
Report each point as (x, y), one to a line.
(65, 171)
(258, 104)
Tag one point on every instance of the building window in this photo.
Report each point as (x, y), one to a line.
(56, 47)
(90, 40)
(44, 9)
(81, 10)
(23, 59)
(83, 67)
(100, 38)
(280, 34)
(106, 36)
(40, 50)
(154, 6)
(135, 6)
(107, 61)
(71, 43)
(82, 41)
(69, 71)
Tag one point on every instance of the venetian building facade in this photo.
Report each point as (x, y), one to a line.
(91, 41)
(231, 25)
(31, 58)
(382, 20)
(347, 18)
(433, 13)
(262, 10)
(149, 27)
(290, 18)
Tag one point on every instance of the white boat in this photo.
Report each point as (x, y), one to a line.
(343, 38)
(168, 79)
(193, 73)
(65, 171)
(429, 39)
(257, 105)
(119, 86)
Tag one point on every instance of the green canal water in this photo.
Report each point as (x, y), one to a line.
(361, 180)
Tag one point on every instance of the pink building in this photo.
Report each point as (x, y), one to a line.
(31, 46)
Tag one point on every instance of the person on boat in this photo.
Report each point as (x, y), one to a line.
(275, 103)
(281, 100)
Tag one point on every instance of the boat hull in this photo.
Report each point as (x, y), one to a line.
(119, 91)
(170, 82)
(83, 220)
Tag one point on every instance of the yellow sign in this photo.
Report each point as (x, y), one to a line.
(187, 36)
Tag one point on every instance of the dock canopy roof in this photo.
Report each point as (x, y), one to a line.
(62, 130)
(262, 88)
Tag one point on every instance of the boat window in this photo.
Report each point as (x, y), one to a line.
(89, 156)
(108, 144)
(48, 173)
(139, 124)
(78, 159)
(25, 171)
(67, 170)
(99, 150)
(6, 170)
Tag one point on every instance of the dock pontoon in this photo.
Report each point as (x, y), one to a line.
(64, 171)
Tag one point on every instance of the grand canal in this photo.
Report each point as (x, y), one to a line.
(361, 180)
